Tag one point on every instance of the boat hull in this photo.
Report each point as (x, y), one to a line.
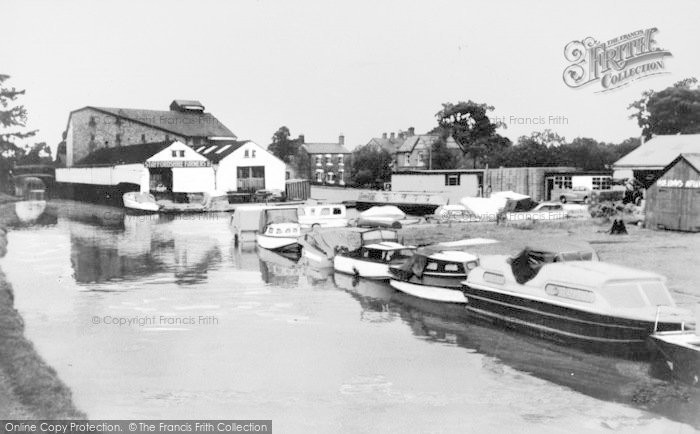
(683, 362)
(583, 329)
(430, 292)
(366, 269)
(278, 244)
(408, 208)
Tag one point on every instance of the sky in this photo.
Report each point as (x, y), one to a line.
(323, 68)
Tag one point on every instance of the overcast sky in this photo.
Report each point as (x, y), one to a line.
(322, 67)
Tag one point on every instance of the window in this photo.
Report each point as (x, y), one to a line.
(330, 177)
(182, 153)
(329, 160)
(494, 278)
(287, 175)
(319, 176)
(431, 266)
(258, 171)
(451, 268)
(325, 211)
(143, 138)
(570, 293)
(420, 157)
(173, 153)
(562, 182)
(340, 158)
(167, 138)
(601, 183)
(657, 293)
(624, 295)
(452, 179)
(244, 172)
(118, 139)
(253, 153)
(337, 211)
(246, 154)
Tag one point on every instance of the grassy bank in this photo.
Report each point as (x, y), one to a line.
(29, 388)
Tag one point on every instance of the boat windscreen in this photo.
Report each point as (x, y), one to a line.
(414, 265)
(379, 235)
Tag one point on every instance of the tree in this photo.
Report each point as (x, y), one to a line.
(468, 123)
(674, 110)
(371, 166)
(282, 146)
(13, 119)
(528, 152)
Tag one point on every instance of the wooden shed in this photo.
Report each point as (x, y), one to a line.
(673, 200)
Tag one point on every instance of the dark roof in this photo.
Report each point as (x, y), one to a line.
(220, 150)
(132, 154)
(183, 104)
(388, 144)
(325, 148)
(182, 123)
(438, 171)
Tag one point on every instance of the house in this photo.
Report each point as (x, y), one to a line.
(91, 128)
(330, 162)
(673, 199)
(647, 161)
(416, 151)
(171, 168)
(390, 143)
(451, 184)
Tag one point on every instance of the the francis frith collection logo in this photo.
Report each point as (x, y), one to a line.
(616, 62)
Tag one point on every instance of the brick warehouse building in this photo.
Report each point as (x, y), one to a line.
(91, 128)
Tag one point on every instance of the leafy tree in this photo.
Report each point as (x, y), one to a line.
(371, 166)
(468, 123)
(528, 152)
(674, 110)
(282, 146)
(13, 119)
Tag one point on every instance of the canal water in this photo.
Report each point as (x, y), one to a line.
(163, 317)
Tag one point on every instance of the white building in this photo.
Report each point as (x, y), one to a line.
(228, 166)
(451, 184)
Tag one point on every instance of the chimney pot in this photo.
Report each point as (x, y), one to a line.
(301, 138)
(392, 136)
(383, 135)
(341, 139)
(411, 131)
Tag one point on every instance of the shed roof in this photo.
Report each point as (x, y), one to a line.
(132, 154)
(693, 159)
(659, 152)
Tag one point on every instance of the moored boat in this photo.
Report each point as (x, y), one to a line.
(596, 305)
(279, 229)
(372, 261)
(140, 202)
(434, 275)
(413, 203)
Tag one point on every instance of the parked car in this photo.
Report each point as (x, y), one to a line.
(576, 194)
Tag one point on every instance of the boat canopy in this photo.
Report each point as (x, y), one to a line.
(350, 239)
(277, 215)
(528, 262)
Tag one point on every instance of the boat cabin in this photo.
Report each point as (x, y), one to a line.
(587, 285)
(384, 252)
(445, 268)
(331, 215)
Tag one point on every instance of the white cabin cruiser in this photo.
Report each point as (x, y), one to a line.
(434, 275)
(140, 202)
(372, 261)
(279, 229)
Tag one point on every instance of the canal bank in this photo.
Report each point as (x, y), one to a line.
(29, 388)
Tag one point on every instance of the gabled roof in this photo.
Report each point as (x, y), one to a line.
(692, 159)
(659, 152)
(388, 144)
(427, 139)
(132, 154)
(182, 123)
(325, 148)
(409, 144)
(222, 149)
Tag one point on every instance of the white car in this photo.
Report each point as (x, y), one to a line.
(543, 211)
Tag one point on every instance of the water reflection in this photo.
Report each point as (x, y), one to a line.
(637, 383)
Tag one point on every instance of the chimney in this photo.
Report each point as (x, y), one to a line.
(411, 131)
(392, 136)
(384, 135)
(301, 138)
(341, 139)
